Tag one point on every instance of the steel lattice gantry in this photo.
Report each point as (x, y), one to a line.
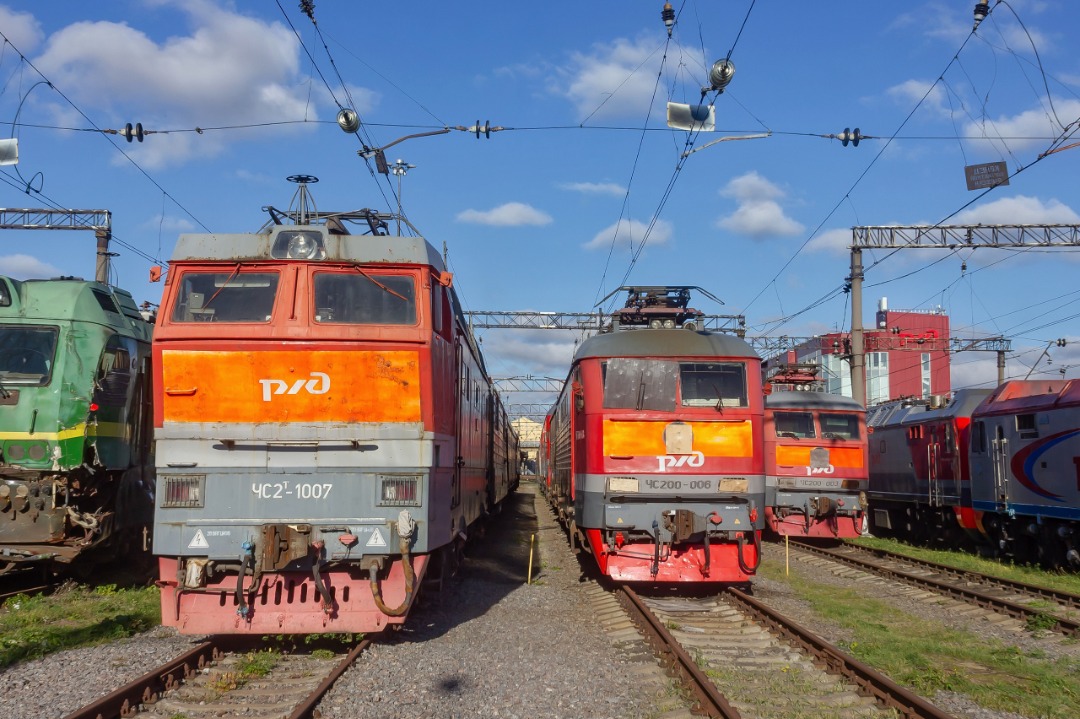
(946, 237)
(100, 221)
(589, 321)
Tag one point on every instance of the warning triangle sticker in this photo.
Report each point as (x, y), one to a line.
(376, 539)
(198, 541)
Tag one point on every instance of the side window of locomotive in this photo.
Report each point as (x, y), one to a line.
(225, 297)
(713, 384)
(978, 437)
(794, 425)
(365, 299)
(114, 374)
(1025, 426)
(640, 384)
(840, 426)
(27, 354)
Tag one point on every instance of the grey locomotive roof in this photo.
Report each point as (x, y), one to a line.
(963, 403)
(663, 343)
(810, 400)
(339, 247)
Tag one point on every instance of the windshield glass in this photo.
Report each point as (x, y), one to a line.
(840, 426)
(365, 298)
(794, 425)
(27, 354)
(225, 297)
(639, 384)
(712, 384)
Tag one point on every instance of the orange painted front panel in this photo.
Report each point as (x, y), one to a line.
(290, 386)
(712, 439)
(788, 456)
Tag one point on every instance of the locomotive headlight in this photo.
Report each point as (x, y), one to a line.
(623, 484)
(399, 490)
(187, 490)
(301, 247)
(298, 245)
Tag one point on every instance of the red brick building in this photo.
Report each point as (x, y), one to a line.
(907, 355)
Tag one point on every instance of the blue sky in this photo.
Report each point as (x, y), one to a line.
(529, 215)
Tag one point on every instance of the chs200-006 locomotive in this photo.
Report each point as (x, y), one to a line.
(325, 426)
(76, 470)
(652, 454)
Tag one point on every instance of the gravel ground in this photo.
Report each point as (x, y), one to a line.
(489, 646)
(497, 647)
(939, 611)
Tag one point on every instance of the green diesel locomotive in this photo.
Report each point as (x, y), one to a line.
(76, 425)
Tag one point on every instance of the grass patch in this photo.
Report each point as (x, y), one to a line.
(1061, 581)
(929, 657)
(34, 626)
(251, 666)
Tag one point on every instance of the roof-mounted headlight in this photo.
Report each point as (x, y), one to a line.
(299, 245)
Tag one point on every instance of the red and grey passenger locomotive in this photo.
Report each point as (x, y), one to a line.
(815, 465)
(998, 466)
(324, 425)
(652, 455)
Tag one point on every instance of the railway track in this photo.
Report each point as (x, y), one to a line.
(212, 680)
(739, 658)
(1035, 606)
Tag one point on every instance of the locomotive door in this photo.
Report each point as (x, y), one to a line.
(461, 422)
(933, 476)
(1000, 452)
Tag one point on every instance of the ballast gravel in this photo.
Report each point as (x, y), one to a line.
(489, 644)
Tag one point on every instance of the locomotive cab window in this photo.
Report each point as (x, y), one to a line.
(639, 384)
(794, 425)
(365, 298)
(840, 426)
(712, 384)
(27, 354)
(225, 297)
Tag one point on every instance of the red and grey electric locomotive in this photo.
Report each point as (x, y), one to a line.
(324, 426)
(920, 483)
(815, 464)
(653, 450)
(1025, 468)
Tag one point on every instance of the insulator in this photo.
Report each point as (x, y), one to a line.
(981, 11)
(348, 120)
(852, 136)
(668, 16)
(720, 74)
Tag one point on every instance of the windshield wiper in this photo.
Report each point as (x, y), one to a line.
(378, 284)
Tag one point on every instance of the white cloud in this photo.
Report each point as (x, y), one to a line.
(167, 223)
(758, 214)
(910, 92)
(836, 241)
(1036, 123)
(594, 188)
(229, 69)
(25, 267)
(630, 233)
(21, 28)
(511, 214)
(540, 353)
(614, 80)
(1018, 210)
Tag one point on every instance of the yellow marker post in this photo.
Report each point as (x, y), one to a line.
(532, 540)
(787, 556)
